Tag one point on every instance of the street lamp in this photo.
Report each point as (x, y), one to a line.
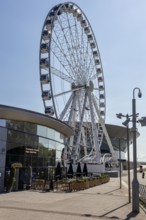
(135, 183)
(120, 163)
(126, 123)
(142, 121)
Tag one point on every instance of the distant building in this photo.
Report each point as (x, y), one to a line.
(118, 137)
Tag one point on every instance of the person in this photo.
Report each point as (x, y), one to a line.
(140, 168)
(143, 174)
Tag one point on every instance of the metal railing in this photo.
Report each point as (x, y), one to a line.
(142, 193)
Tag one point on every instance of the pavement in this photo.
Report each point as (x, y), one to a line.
(103, 202)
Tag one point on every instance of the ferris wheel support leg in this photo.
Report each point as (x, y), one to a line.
(69, 141)
(80, 128)
(94, 128)
(71, 119)
(82, 131)
(105, 131)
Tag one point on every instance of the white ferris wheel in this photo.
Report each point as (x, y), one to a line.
(72, 80)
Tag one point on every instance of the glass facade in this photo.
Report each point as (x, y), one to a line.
(31, 144)
(39, 146)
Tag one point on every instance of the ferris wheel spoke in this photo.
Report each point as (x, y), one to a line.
(57, 50)
(78, 45)
(69, 45)
(93, 76)
(62, 93)
(86, 56)
(74, 47)
(61, 75)
(82, 50)
(90, 69)
(66, 107)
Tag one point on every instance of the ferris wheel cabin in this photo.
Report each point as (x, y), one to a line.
(49, 110)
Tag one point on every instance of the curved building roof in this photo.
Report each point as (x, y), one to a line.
(19, 114)
(116, 131)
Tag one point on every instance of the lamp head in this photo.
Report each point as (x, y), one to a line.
(139, 94)
(142, 121)
(125, 123)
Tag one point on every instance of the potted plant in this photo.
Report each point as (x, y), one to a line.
(11, 180)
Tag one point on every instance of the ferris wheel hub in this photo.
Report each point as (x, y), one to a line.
(89, 85)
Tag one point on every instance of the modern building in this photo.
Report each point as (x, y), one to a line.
(31, 139)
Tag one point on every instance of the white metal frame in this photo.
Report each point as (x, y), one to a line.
(69, 55)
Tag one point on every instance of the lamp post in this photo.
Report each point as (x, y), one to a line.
(142, 121)
(135, 183)
(120, 163)
(126, 123)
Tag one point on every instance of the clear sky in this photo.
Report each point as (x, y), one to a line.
(120, 30)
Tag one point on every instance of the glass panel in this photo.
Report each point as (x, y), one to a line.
(16, 125)
(41, 131)
(22, 126)
(22, 138)
(52, 144)
(43, 142)
(59, 137)
(30, 128)
(16, 137)
(50, 133)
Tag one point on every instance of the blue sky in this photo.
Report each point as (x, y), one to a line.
(120, 30)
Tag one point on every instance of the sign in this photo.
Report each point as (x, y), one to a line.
(31, 150)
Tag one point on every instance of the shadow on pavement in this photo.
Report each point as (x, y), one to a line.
(113, 210)
(110, 191)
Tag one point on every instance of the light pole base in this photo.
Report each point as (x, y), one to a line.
(135, 196)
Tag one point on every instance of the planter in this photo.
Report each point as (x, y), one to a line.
(87, 184)
(38, 184)
(75, 186)
(91, 183)
(80, 184)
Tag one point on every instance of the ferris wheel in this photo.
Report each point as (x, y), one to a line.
(72, 80)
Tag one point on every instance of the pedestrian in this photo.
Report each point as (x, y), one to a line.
(143, 174)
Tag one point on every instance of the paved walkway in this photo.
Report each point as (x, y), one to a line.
(102, 202)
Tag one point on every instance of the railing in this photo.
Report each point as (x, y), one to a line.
(142, 193)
